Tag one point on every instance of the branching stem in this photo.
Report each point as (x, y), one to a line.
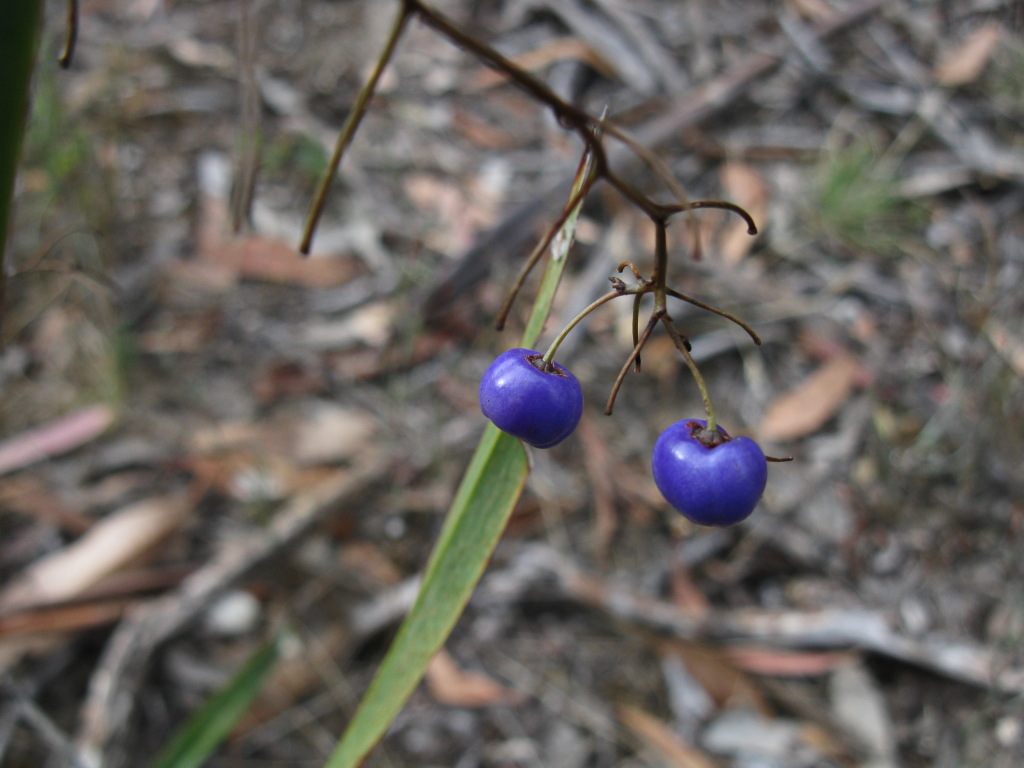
(590, 131)
(636, 330)
(538, 251)
(720, 204)
(683, 347)
(727, 315)
(651, 322)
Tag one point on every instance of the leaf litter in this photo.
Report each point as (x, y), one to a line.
(263, 397)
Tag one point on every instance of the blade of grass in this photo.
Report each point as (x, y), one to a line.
(208, 727)
(19, 37)
(485, 499)
(481, 508)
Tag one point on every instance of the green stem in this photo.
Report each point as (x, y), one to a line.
(680, 342)
(19, 38)
(549, 356)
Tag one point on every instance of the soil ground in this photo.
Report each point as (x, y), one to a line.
(195, 379)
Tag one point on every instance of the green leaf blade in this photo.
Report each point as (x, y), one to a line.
(19, 38)
(482, 506)
(213, 723)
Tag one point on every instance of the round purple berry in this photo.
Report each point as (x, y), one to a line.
(539, 407)
(711, 478)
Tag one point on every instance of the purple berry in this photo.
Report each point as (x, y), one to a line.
(712, 479)
(539, 407)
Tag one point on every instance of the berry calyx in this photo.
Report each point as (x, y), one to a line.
(539, 403)
(709, 477)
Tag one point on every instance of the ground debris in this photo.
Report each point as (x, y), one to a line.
(192, 410)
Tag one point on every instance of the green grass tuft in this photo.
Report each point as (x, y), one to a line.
(857, 204)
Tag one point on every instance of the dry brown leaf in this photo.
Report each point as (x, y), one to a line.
(686, 594)
(461, 209)
(663, 739)
(370, 562)
(449, 684)
(724, 682)
(598, 462)
(1007, 344)
(482, 133)
(254, 257)
(824, 742)
(429, 192)
(275, 261)
(771, 661)
(370, 325)
(288, 379)
(197, 53)
(201, 276)
(550, 52)
(253, 476)
(744, 186)
(186, 333)
(276, 458)
(660, 360)
(57, 437)
(118, 540)
(813, 10)
(240, 475)
(64, 618)
(965, 63)
(226, 436)
(331, 433)
(813, 402)
(27, 494)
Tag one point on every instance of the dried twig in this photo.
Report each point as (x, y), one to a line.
(247, 160)
(862, 628)
(515, 232)
(112, 689)
(936, 108)
(41, 722)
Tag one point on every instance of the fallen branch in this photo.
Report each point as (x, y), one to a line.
(863, 629)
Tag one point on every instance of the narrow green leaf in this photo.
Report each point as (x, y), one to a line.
(485, 500)
(19, 36)
(208, 727)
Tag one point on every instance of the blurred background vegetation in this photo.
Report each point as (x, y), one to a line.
(214, 377)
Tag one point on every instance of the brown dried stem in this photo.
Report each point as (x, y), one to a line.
(538, 251)
(348, 130)
(727, 315)
(684, 349)
(653, 321)
(72, 37)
